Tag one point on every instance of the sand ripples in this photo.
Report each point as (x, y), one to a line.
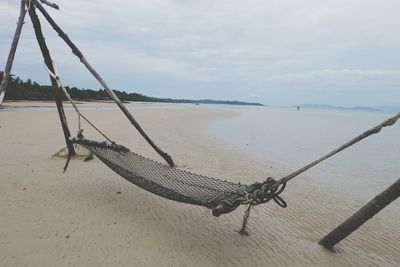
(79, 218)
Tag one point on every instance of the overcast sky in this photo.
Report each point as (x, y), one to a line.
(278, 52)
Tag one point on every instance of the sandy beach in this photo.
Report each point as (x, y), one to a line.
(89, 216)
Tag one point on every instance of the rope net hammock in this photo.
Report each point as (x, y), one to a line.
(179, 185)
(159, 179)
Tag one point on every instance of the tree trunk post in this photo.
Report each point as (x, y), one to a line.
(49, 63)
(361, 216)
(11, 54)
(110, 92)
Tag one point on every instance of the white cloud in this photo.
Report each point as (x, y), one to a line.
(225, 49)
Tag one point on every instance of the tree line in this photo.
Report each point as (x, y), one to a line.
(19, 89)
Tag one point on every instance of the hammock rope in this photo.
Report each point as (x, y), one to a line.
(74, 105)
(374, 130)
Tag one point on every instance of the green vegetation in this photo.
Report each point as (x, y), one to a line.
(19, 89)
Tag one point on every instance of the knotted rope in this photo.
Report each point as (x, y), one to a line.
(263, 193)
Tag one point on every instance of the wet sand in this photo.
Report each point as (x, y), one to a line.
(91, 216)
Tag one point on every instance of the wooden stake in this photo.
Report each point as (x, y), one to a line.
(361, 216)
(11, 54)
(49, 63)
(78, 53)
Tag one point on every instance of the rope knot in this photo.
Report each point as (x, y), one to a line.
(263, 193)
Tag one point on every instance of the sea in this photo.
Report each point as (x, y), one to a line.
(283, 140)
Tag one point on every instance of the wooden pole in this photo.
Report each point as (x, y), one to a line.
(78, 53)
(11, 54)
(49, 63)
(361, 216)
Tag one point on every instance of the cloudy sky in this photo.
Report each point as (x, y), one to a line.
(278, 52)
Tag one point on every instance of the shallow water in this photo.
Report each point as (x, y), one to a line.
(283, 140)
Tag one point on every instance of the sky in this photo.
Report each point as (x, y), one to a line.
(276, 52)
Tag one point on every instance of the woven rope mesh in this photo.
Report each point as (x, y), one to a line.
(170, 183)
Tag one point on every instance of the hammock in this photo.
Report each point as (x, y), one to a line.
(179, 185)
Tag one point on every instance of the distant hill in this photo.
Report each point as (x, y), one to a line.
(207, 101)
(392, 109)
(19, 89)
(359, 108)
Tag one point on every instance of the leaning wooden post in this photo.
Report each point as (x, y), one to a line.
(49, 63)
(11, 54)
(109, 91)
(361, 216)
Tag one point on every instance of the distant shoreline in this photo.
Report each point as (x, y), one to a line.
(154, 100)
(390, 109)
(205, 101)
(161, 100)
(29, 90)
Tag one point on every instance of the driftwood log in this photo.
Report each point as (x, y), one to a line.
(361, 216)
(11, 54)
(50, 4)
(49, 63)
(78, 53)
